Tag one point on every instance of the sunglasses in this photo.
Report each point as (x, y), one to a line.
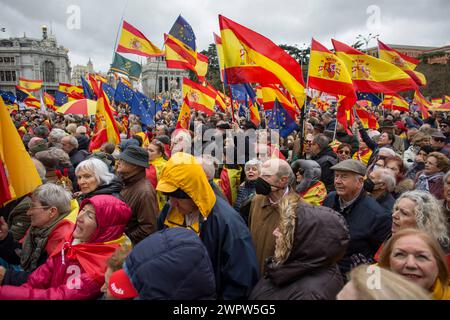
(344, 152)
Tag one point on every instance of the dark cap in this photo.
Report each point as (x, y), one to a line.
(438, 135)
(351, 165)
(135, 155)
(387, 124)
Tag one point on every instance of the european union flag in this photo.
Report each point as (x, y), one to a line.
(369, 97)
(88, 92)
(110, 92)
(60, 98)
(8, 97)
(143, 107)
(239, 92)
(183, 32)
(159, 106)
(123, 93)
(21, 95)
(281, 120)
(242, 111)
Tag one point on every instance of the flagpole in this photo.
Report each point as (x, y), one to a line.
(120, 28)
(302, 111)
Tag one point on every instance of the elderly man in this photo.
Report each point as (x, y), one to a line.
(439, 143)
(193, 205)
(322, 153)
(271, 187)
(369, 223)
(138, 193)
(380, 184)
(55, 136)
(70, 146)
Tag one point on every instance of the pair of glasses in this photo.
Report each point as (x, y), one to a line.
(39, 207)
(344, 152)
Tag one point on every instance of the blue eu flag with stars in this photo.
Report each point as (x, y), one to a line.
(143, 107)
(110, 92)
(281, 120)
(123, 93)
(183, 32)
(369, 97)
(8, 97)
(60, 98)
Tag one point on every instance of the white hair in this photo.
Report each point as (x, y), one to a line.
(98, 168)
(53, 195)
(208, 164)
(72, 140)
(387, 176)
(389, 151)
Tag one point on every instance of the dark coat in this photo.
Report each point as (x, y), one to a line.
(304, 267)
(369, 225)
(112, 189)
(172, 264)
(387, 201)
(77, 156)
(326, 159)
(230, 248)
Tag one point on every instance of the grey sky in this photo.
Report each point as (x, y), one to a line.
(423, 23)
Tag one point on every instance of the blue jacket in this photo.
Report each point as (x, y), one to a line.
(369, 225)
(230, 248)
(171, 265)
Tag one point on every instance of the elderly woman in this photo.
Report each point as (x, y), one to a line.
(309, 186)
(397, 166)
(94, 178)
(77, 270)
(418, 257)
(431, 179)
(246, 190)
(50, 222)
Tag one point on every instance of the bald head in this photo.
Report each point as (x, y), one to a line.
(277, 172)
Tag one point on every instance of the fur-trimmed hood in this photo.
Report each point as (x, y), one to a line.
(311, 238)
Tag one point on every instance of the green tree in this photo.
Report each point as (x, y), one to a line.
(213, 74)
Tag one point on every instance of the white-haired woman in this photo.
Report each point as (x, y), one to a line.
(94, 178)
(247, 188)
(420, 210)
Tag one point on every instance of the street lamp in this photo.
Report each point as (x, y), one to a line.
(367, 39)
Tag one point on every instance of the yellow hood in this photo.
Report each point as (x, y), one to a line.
(183, 171)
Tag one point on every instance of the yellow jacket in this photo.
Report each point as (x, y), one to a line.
(438, 291)
(159, 164)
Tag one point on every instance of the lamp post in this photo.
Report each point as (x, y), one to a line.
(367, 39)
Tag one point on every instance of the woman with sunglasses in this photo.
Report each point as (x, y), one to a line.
(344, 152)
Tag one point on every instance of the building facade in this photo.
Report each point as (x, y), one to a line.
(410, 51)
(34, 59)
(79, 70)
(156, 76)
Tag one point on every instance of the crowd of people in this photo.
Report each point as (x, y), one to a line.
(228, 210)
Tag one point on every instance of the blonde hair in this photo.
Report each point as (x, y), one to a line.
(438, 253)
(392, 286)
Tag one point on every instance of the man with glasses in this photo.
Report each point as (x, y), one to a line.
(439, 143)
(445, 129)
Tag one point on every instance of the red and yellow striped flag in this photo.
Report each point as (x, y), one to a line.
(407, 64)
(252, 58)
(270, 93)
(185, 115)
(49, 101)
(395, 102)
(423, 104)
(373, 75)
(254, 113)
(133, 41)
(200, 97)
(30, 85)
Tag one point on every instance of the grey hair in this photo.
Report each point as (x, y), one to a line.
(429, 214)
(208, 164)
(253, 163)
(40, 169)
(322, 140)
(53, 195)
(388, 151)
(387, 176)
(57, 134)
(136, 128)
(71, 128)
(446, 176)
(98, 168)
(73, 141)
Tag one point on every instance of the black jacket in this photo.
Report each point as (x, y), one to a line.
(326, 159)
(77, 156)
(112, 189)
(369, 225)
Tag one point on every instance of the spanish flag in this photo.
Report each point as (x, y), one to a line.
(407, 64)
(30, 85)
(395, 102)
(446, 99)
(180, 56)
(26, 97)
(49, 101)
(219, 100)
(230, 180)
(219, 48)
(254, 113)
(423, 104)
(373, 75)
(106, 127)
(199, 97)
(73, 92)
(18, 174)
(271, 93)
(252, 58)
(436, 101)
(185, 115)
(367, 118)
(133, 41)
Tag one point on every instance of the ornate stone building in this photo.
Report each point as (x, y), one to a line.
(34, 59)
(410, 51)
(155, 75)
(79, 70)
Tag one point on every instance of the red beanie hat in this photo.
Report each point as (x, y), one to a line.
(120, 286)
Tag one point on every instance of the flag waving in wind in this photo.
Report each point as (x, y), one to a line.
(182, 30)
(134, 41)
(30, 85)
(251, 58)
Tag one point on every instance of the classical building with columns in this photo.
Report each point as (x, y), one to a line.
(155, 75)
(34, 59)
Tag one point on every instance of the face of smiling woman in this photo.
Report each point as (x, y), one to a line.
(86, 224)
(412, 258)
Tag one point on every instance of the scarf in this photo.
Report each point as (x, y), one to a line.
(35, 243)
(424, 180)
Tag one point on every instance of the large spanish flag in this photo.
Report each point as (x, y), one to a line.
(395, 102)
(29, 100)
(18, 174)
(200, 97)
(373, 75)
(30, 85)
(252, 58)
(328, 73)
(185, 115)
(134, 41)
(73, 92)
(407, 64)
(180, 56)
(423, 104)
(106, 127)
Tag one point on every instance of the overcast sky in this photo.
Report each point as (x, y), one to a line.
(424, 23)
